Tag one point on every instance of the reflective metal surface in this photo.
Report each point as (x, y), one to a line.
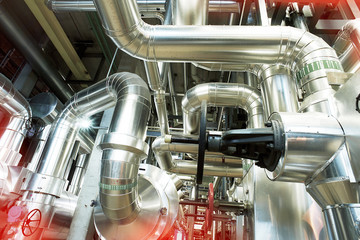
(349, 119)
(162, 152)
(332, 191)
(343, 221)
(279, 92)
(159, 208)
(346, 46)
(224, 6)
(190, 12)
(311, 140)
(221, 95)
(123, 149)
(17, 110)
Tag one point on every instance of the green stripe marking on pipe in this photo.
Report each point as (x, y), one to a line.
(117, 187)
(318, 65)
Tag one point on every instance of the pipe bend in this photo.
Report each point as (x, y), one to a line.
(220, 95)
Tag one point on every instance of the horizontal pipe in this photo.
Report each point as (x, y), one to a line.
(221, 95)
(164, 158)
(225, 6)
(308, 56)
(17, 110)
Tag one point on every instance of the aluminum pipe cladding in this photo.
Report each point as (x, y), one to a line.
(312, 141)
(221, 95)
(123, 148)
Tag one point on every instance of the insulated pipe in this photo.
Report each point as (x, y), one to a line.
(224, 6)
(166, 162)
(123, 148)
(190, 12)
(21, 38)
(308, 56)
(153, 76)
(221, 95)
(347, 46)
(17, 111)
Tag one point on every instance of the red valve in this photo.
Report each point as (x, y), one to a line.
(31, 222)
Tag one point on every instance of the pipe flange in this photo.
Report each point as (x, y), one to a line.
(124, 142)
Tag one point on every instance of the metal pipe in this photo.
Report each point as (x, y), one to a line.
(347, 45)
(153, 76)
(224, 6)
(308, 56)
(221, 95)
(23, 41)
(18, 111)
(80, 169)
(190, 12)
(123, 148)
(165, 160)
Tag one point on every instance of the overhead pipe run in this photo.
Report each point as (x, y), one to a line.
(224, 6)
(16, 112)
(21, 38)
(308, 56)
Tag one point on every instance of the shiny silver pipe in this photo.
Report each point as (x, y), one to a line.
(225, 6)
(308, 56)
(190, 12)
(279, 90)
(23, 41)
(17, 110)
(153, 76)
(79, 172)
(221, 95)
(123, 148)
(346, 46)
(162, 152)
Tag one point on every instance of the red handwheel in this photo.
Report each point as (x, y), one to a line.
(210, 209)
(31, 222)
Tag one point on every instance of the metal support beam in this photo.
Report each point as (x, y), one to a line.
(245, 9)
(318, 11)
(58, 37)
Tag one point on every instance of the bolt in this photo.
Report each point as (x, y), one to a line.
(247, 192)
(268, 124)
(270, 145)
(163, 211)
(93, 203)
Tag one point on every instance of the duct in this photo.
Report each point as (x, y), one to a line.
(190, 12)
(17, 111)
(164, 158)
(123, 148)
(224, 6)
(221, 95)
(347, 46)
(153, 75)
(278, 90)
(20, 37)
(309, 56)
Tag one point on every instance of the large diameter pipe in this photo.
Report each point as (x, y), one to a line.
(308, 56)
(21, 38)
(18, 111)
(123, 148)
(221, 95)
(190, 12)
